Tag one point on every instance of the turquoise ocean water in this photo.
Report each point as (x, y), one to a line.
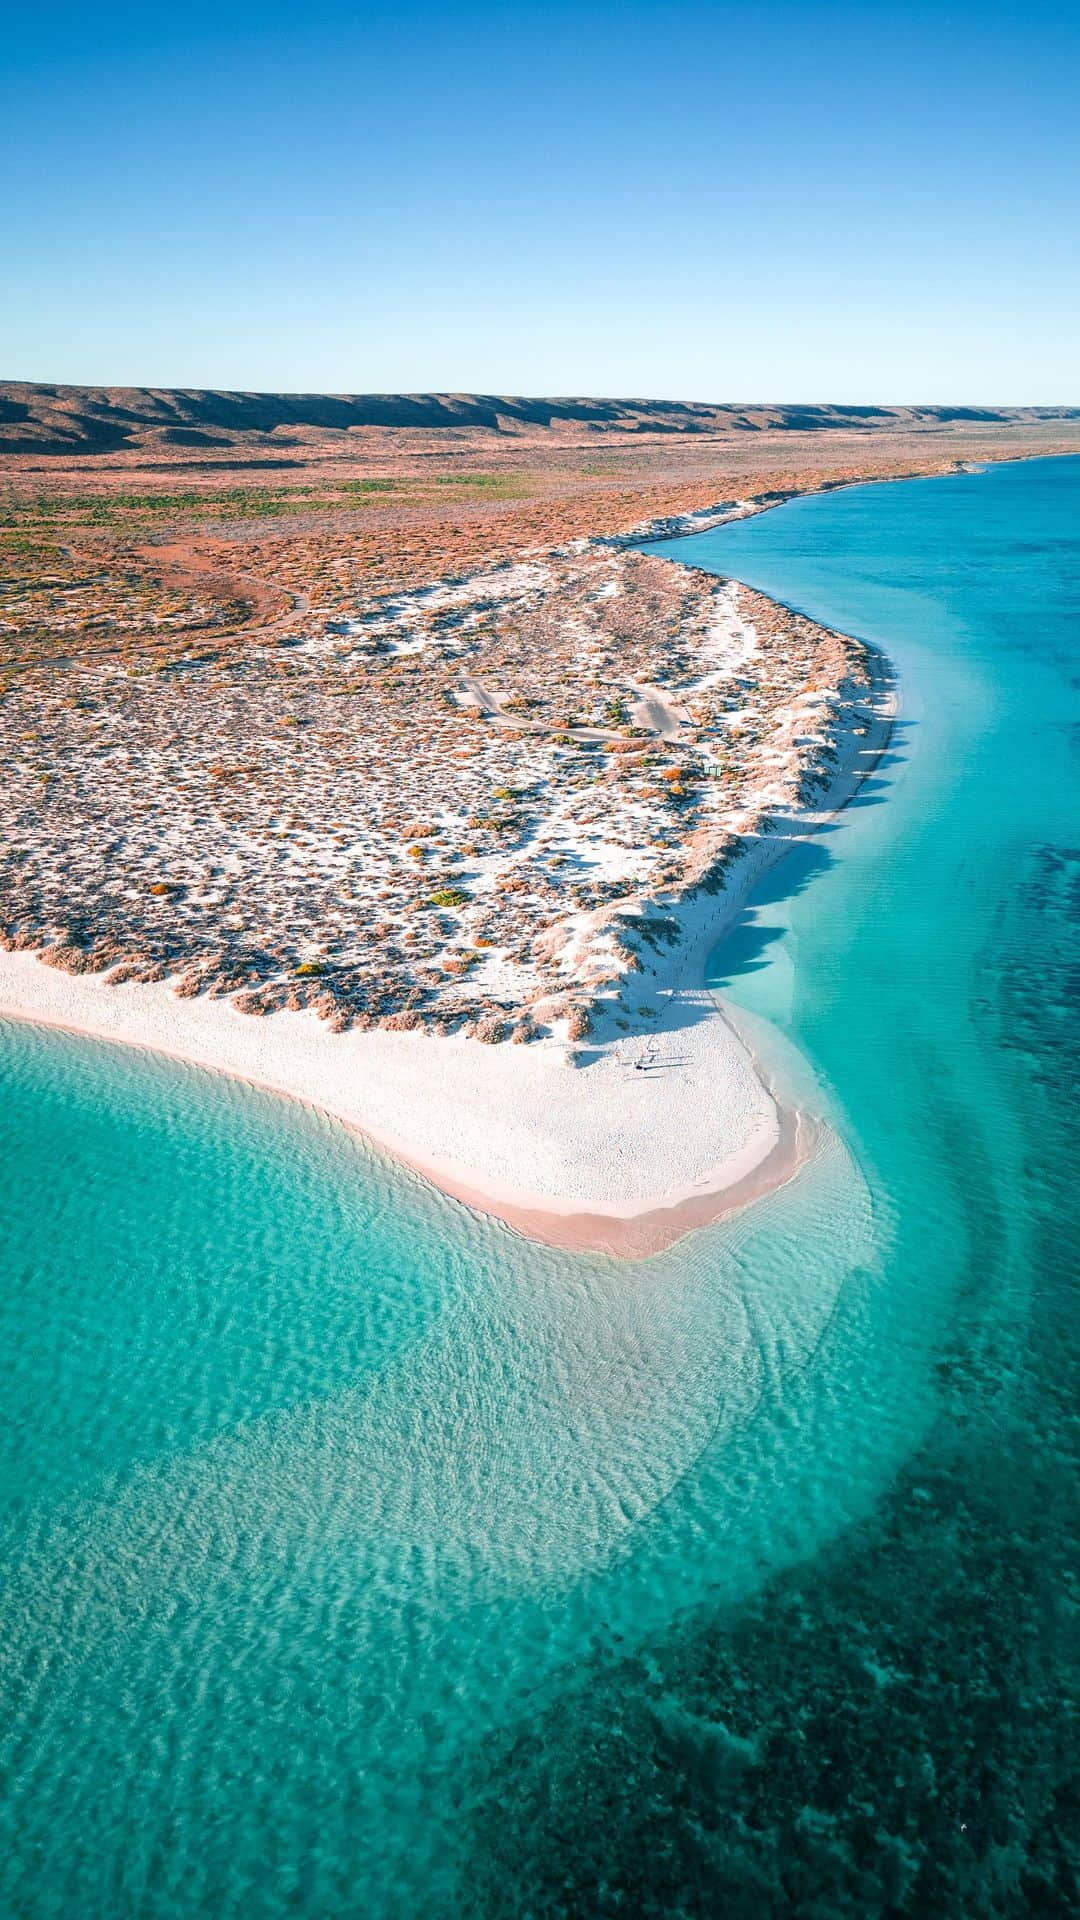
(362, 1559)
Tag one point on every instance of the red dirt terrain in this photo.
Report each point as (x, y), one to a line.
(129, 515)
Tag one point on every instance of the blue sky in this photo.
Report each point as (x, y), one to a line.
(767, 202)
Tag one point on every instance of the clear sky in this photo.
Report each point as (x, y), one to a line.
(770, 201)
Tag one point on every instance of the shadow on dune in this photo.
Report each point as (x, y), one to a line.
(744, 948)
(799, 860)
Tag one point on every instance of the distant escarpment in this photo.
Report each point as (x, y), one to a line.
(76, 421)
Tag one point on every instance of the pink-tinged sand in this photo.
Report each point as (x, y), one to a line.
(634, 1236)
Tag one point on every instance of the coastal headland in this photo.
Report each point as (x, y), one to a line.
(410, 788)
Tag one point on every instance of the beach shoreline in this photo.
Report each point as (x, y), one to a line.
(616, 1155)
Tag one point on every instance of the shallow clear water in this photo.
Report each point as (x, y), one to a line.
(363, 1559)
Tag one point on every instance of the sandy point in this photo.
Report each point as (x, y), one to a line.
(623, 1153)
(636, 1236)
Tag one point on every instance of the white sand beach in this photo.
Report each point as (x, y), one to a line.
(639, 1140)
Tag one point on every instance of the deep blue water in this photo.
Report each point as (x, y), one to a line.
(363, 1559)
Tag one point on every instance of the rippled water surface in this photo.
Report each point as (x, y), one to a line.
(363, 1559)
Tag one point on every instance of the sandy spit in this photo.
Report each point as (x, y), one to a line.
(604, 1156)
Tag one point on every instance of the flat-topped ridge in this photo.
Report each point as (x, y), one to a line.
(39, 419)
